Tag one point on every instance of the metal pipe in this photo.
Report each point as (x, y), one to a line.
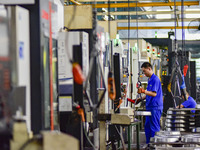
(75, 2)
(149, 12)
(152, 20)
(152, 4)
(164, 27)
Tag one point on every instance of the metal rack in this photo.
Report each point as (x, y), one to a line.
(182, 131)
(180, 120)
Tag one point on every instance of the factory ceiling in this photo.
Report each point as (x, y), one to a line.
(154, 13)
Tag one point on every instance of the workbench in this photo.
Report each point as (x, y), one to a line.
(122, 120)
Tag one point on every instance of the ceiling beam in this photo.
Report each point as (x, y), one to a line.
(110, 0)
(153, 20)
(147, 28)
(151, 4)
(113, 1)
(148, 12)
(75, 2)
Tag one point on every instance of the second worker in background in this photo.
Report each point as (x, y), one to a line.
(154, 101)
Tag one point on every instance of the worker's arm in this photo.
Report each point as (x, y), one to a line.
(150, 93)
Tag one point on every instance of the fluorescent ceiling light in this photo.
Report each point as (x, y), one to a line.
(163, 16)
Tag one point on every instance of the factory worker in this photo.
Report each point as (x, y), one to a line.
(188, 103)
(154, 101)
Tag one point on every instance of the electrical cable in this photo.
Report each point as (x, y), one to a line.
(183, 33)
(109, 18)
(109, 32)
(128, 36)
(128, 24)
(137, 38)
(175, 27)
(137, 33)
(182, 8)
(90, 142)
(138, 51)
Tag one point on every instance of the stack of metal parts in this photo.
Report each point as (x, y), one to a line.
(179, 124)
(166, 139)
(180, 120)
(191, 140)
(174, 140)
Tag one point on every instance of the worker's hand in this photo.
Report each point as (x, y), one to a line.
(179, 106)
(141, 90)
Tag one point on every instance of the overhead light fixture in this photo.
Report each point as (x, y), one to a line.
(113, 17)
(105, 18)
(104, 10)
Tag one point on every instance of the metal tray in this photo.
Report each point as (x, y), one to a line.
(192, 120)
(166, 139)
(182, 109)
(176, 125)
(192, 123)
(176, 129)
(176, 112)
(177, 117)
(176, 121)
(160, 133)
(142, 113)
(191, 138)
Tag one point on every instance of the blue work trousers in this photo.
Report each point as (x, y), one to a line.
(152, 123)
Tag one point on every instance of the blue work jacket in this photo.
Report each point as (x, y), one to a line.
(154, 85)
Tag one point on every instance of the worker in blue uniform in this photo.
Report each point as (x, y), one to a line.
(188, 103)
(154, 101)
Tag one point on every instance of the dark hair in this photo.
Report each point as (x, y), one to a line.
(146, 65)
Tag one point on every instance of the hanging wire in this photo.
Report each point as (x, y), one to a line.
(109, 17)
(128, 24)
(109, 32)
(137, 39)
(88, 139)
(183, 31)
(182, 17)
(175, 22)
